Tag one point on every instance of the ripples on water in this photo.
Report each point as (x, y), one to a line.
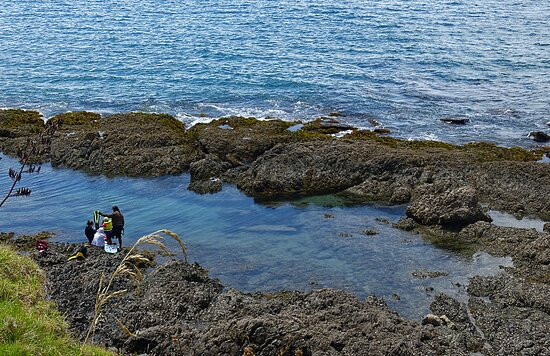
(253, 247)
(406, 63)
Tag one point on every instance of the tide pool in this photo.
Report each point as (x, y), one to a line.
(302, 244)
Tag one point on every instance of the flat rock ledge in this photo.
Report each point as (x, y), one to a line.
(269, 159)
(179, 309)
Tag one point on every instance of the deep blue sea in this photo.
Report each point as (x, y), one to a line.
(404, 63)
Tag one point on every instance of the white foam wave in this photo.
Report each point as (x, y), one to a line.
(425, 137)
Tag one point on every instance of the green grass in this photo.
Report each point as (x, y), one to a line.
(29, 325)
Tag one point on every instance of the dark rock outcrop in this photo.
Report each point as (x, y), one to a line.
(206, 186)
(178, 309)
(17, 127)
(436, 205)
(513, 314)
(239, 140)
(539, 136)
(266, 159)
(455, 120)
(327, 125)
(206, 174)
(134, 144)
(392, 170)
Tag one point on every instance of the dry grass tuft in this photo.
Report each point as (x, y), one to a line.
(129, 268)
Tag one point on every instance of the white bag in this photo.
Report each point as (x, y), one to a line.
(99, 238)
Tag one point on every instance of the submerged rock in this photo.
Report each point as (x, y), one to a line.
(455, 120)
(406, 224)
(539, 136)
(422, 274)
(206, 186)
(370, 232)
(433, 205)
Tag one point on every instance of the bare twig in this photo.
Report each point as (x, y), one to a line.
(25, 155)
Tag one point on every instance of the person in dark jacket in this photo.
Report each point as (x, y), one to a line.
(90, 231)
(118, 224)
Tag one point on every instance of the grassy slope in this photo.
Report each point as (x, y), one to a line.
(29, 325)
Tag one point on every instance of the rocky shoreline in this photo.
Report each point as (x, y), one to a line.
(180, 310)
(266, 159)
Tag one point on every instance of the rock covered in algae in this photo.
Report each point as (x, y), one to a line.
(459, 206)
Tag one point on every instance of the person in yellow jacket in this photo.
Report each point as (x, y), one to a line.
(108, 229)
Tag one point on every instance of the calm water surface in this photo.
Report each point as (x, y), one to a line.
(404, 63)
(249, 246)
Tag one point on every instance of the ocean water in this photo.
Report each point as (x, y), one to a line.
(404, 63)
(303, 244)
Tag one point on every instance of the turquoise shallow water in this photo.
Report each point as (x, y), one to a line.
(249, 246)
(404, 63)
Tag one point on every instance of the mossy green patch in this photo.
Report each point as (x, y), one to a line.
(29, 325)
(270, 130)
(326, 126)
(367, 135)
(449, 241)
(76, 118)
(303, 136)
(480, 151)
(239, 122)
(148, 123)
(17, 119)
(486, 151)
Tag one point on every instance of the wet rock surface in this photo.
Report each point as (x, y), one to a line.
(133, 144)
(438, 205)
(266, 159)
(206, 173)
(178, 309)
(455, 120)
(539, 136)
(206, 186)
(422, 274)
